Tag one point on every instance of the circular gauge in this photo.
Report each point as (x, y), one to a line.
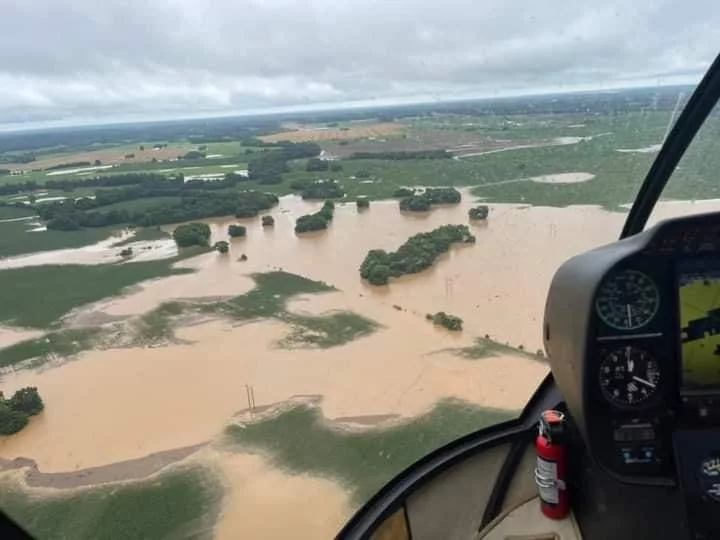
(628, 376)
(627, 300)
(709, 476)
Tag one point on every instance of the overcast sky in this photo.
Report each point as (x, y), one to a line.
(112, 59)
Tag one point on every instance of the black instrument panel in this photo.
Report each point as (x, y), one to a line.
(632, 332)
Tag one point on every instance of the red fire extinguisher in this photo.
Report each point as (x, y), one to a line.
(551, 471)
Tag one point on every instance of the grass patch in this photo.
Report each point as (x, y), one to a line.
(39, 296)
(12, 212)
(266, 300)
(485, 347)
(144, 235)
(326, 331)
(16, 238)
(179, 505)
(301, 441)
(60, 344)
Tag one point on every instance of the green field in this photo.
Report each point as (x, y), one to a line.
(302, 442)
(39, 296)
(17, 239)
(485, 347)
(179, 505)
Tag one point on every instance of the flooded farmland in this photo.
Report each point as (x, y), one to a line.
(148, 400)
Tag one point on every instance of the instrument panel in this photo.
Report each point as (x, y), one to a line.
(632, 332)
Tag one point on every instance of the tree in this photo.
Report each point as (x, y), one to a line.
(127, 252)
(222, 246)
(192, 234)
(336, 166)
(26, 400)
(141, 148)
(236, 231)
(268, 221)
(97, 163)
(416, 203)
(362, 203)
(451, 322)
(362, 173)
(479, 212)
(11, 421)
(379, 275)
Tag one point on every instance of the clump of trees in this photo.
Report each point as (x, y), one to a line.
(16, 411)
(222, 246)
(451, 322)
(317, 221)
(479, 212)
(415, 255)
(422, 202)
(236, 231)
(323, 189)
(362, 203)
(317, 165)
(193, 154)
(268, 221)
(192, 234)
(412, 154)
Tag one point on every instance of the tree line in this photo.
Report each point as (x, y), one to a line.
(16, 411)
(419, 252)
(317, 221)
(402, 155)
(192, 205)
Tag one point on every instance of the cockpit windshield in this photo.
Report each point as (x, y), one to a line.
(253, 267)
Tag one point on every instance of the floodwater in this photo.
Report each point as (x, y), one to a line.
(128, 403)
(101, 252)
(262, 502)
(563, 178)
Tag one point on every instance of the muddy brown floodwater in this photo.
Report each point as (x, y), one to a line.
(118, 405)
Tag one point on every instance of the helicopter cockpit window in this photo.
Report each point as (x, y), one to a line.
(257, 258)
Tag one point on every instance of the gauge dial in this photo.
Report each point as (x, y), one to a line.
(627, 300)
(710, 477)
(628, 376)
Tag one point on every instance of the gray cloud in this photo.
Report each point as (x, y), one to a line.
(113, 58)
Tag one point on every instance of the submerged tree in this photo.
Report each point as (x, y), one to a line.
(479, 212)
(362, 203)
(26, 400)
(222, 246)
(192, 234)
(451, 322)
(237, 230)
(268, 221)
